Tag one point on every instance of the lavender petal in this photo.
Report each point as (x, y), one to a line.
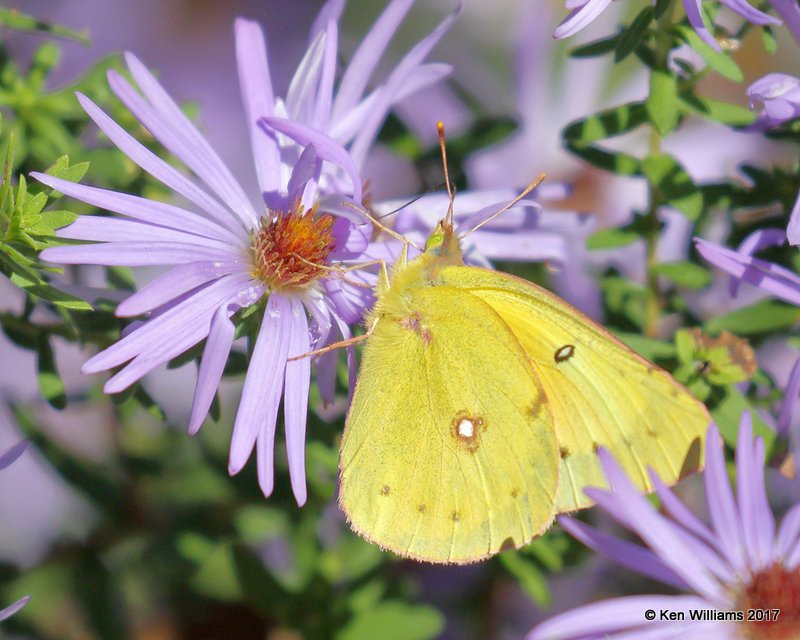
(694, 12)
(134, 254)
(12, 453)
(295, 407)
(580, 17)
(12, 609)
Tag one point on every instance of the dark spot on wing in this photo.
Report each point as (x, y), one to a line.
(595, 446)
(456, 516)
(514, 493)
(422, 508)
(564, 353)
(564, 452)
(386, 490)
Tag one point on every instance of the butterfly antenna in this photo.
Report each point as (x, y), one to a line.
(374, 220)
(536, 182)
(443, 148)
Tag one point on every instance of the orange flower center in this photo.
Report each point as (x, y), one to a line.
(774, 588)
(291, 249)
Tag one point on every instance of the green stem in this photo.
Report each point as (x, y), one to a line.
(654, 302)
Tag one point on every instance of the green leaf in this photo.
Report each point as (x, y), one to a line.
(673, 184)
(50, 384)
(44, 291)
(394, 620)
(101, 600)
(632, 36)
(650, 348)
(733, 115)
(14, 19)
(684, 274)
(528, 575)
(613, 161)
(762, 317)
(661, 8)
(62, 169)
(728, 412)
(596, 48)
(769, 40)
(662, 103)
(719, 61)
(612, 238)
(606, 124)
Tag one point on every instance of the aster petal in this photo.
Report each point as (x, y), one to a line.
(295, 402)
(215, 356)
(150, 211)
(390, 90)
(12, 609)
(762, 514)
(345, 129)
(305, 170)
(174, 283)
(608, 616)
(301, 96)
(721, 505)
(12, 453)
(790, 394)
(750, 13)
(351, 356)
(788, 537)
(630, 555)
(789, 11)
(327, 148)
(324, 99)
(772, 278)
(656, 531)
(745, 480)
(261, 394)
(326, 367)
(793, 230)
(694, 12)
(331, 10)
(201, 304)
(754, 243)
(134, 254)
(680, 512)
(108, 229)
(364, 61)
(580, 18)
(180, 136)
(157, 167)
(258, 99)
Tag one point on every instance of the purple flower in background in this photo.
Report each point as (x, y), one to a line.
(779, 97)
(6, 458)
(583, 12)
(228, 251)
(789, 11)
(737, 563)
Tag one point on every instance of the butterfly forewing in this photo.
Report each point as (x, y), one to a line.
(449, 452)
(601, 393)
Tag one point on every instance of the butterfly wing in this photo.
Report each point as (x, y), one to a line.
(601, 392)
(449, 452)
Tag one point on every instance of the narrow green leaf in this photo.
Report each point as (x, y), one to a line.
(684, 274)
(101, 600)
(47, 292)
(596, 48)
(769, 40)
(528, 575)
(394, 620)
(733, 115)
(662, 103)
(606, 124)
(14, 19)
(633, 35)
(674, 185)
(762, 317)
(719, 61)
(611, 238)
(613, 161)
(50, 384)
(661, 8)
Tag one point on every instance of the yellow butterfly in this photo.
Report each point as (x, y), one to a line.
(479, 406)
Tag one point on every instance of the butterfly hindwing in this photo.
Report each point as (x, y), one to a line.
(601, 393)
(449, 452)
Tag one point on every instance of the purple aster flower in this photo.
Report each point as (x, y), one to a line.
(6, 458)
(742, 266)
(789, 11)
(227, 251)
(739, 562)
(779, 97)
(584, 12)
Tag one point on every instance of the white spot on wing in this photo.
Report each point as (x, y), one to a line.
(465, 428)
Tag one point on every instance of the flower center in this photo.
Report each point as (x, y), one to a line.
(291, 249)
(773, 588)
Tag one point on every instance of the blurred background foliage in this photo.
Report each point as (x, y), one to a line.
(120, 526)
